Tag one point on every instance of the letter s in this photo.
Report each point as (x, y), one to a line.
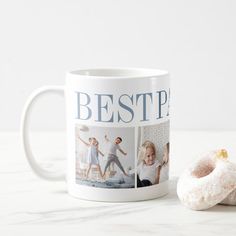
(125, 107)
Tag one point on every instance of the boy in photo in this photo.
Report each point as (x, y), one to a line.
(112, 154)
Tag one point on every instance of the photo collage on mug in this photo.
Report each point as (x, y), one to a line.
(105, 156)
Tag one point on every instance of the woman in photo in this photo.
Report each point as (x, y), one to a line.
(148, 169)
(164, 169)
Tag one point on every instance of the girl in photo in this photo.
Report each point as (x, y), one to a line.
(92, 156)
(148, 169)
(164, 169)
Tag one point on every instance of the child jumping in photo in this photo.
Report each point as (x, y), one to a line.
(149, 168)
(164, 169)
(112, 154)
(92, 156)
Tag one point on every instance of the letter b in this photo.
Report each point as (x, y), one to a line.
(87, 112)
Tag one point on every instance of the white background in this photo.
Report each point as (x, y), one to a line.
(194, 40)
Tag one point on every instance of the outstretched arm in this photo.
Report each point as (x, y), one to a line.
(164, 162)
(107, 139)
(87, 144)
(158, 175)
(100, 153)
(123, 152)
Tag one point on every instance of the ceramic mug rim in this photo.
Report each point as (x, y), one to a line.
(117, 73)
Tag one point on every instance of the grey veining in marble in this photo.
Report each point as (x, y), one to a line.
(26, 202)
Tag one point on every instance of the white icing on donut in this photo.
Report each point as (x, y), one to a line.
(207, 182)
(230, 199)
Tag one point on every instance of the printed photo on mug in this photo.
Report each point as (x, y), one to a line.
(105, 157)
(153, 154)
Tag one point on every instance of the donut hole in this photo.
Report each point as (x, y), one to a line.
(203, 168)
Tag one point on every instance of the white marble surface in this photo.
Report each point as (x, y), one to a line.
(29, 205)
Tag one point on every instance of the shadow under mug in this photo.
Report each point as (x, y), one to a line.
(117, 133)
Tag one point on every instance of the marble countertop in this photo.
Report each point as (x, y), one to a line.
(31, 205)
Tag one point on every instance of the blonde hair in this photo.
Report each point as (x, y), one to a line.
(92, 138)
(142, 150)
(165, 161)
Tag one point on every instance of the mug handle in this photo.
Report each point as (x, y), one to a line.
(24, 133)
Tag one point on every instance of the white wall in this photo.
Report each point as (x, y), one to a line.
(194, 40)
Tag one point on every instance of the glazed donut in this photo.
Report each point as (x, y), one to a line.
(230, 199)
(207, 182)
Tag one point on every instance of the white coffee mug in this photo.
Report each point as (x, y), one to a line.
(117, 133)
